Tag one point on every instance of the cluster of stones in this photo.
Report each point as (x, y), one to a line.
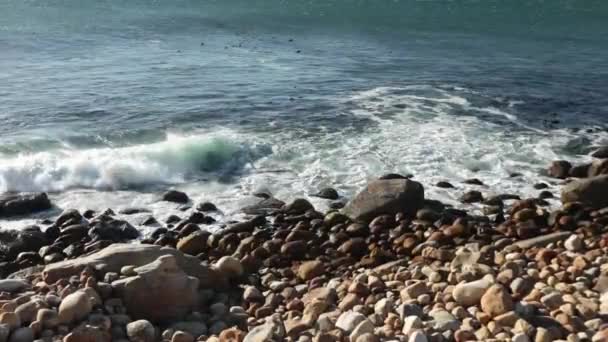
(390, 266)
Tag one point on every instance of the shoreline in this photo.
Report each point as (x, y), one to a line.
(387, 265)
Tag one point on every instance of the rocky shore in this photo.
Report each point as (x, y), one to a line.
(391, 265)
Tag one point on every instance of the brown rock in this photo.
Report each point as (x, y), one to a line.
(193, 244)
(161, 291)
(590, 191)
(294, 249)
(310, 269)
(496, 301)
(232, 335)
(354, 247)
(389, 196)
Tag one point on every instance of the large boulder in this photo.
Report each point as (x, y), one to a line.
(590, 191)
(160, 292)
(114, 257)
(23, 204)
(175, 196)
(386, 196)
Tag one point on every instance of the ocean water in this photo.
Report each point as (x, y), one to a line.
(107, 103)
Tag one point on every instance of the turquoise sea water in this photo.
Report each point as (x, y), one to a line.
(222, 98)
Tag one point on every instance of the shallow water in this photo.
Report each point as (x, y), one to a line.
(107, 103)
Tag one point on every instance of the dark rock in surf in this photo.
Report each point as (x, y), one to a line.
(392, 176)
(206, 206)
(337, 205)
(540, 186)
(601, 153)
(69, 215)
(473, 181)
(23, 204)
(390, 196)
(559, 169)
(113, 230)
(472, 197)
(133, 211)
(444, 185)
(328, 193)
(297, 207)
(266, 206)
(175, 197)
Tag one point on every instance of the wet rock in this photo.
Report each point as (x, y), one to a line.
(590, 191)
(559, 169)
(23, 204)
(133, 211)
(473, 181)
(297, 207)
(113, 230)
(161, 291)
(175, 196)
(327, 193)
(30, 239)
(266, 206)
(601, 153)
(206, 207)
(385, 197)
(473, 196)
(444, 185)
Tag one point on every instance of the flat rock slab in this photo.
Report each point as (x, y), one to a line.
(542, 240)
(114, 257)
